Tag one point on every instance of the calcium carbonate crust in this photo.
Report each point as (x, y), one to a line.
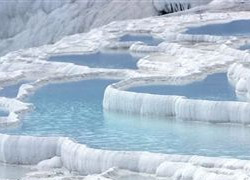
(62, 152)
(117, 99)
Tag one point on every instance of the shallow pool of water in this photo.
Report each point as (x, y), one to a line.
(75, 109)
(147, 39)
(11, 91)
(214, 87)
(121, 60)
(234, 28)
(3, 113)
(12, 172)
(245, 47)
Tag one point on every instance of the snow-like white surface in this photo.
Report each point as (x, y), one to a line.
(110, 174)
(86, 160)
(28, 150)
(29, 23)
(48, 164)
(239, 76)
(15, 108)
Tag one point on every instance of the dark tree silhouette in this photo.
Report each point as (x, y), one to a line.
(174, 7)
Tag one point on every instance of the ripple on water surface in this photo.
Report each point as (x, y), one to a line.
(75, 109)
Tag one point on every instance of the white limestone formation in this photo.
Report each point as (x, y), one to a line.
(34, 23)
(39, 22)
(117, 99)
(27, 150)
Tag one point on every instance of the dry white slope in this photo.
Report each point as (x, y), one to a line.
(29, 23)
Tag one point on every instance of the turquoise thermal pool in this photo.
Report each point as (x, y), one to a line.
(121, 60)
(74, 109)
(214, 87)
(234, 28)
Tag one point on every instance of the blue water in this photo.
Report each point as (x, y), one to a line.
(147, 39)
(75, 110)
(11, 91)
(245, 47)
(234, 28)
(214, 87)
(3, 113)
(100, 60)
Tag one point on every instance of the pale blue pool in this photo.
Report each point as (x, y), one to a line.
(214, 87)
(234, 28)
(75, 110)
(3, 113)
(11, 91)
(121, 60)
(147, 39)
(245, 47)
